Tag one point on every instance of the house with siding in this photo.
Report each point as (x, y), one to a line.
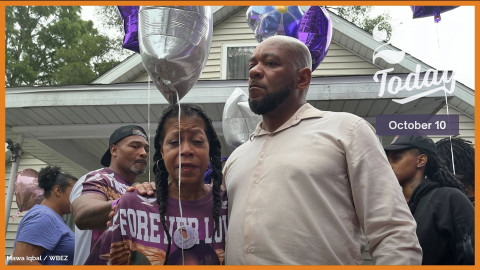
(69, 126)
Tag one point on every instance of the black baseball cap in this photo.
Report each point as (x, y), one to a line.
(118, 135)
(423, 143)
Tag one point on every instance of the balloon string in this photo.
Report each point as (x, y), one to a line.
(446, 103)
(179, 160)
(148, 127)
(450, 136)
(180, 172)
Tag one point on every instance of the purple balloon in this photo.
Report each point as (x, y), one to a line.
(207, 176)
(267, 21)
(315, 31)
(129, 15)
(426, 11)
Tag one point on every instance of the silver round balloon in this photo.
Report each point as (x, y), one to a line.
(238, 121)
(174, 45)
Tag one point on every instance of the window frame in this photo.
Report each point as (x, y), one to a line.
(225, 46)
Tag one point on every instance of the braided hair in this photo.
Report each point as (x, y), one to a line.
(463, 155)
(51, 176)
(436, 171)
(160, 170)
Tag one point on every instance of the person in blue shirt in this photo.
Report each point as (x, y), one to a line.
(42, 235)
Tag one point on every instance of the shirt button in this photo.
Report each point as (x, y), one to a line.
(257, 181)
(250, 249)
(250, 211)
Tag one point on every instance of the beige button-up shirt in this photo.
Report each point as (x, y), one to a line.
(309, 193)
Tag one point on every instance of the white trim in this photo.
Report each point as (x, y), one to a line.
(120, 71)
(82, 131)
(328, 88)
(225, 46)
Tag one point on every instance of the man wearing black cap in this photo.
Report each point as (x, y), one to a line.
(444, 215)
(95, 193)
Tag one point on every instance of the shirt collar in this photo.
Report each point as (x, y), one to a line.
(304, 112)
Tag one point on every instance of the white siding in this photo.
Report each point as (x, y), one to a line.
(235, 30)
(341, 62)
(467, 125)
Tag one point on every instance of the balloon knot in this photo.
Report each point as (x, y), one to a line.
(281, 9)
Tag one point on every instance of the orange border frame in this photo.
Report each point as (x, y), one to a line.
(243, 3)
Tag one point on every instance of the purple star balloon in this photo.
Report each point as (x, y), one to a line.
(129, 15)
(426, 11)
(315, 31)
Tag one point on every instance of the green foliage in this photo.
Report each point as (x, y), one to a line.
(47, 45)
(111, 22)
(360, 16)
(110, 18)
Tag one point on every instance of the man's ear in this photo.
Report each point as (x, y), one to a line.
(113, 150)
(304, 77)
(422, 160)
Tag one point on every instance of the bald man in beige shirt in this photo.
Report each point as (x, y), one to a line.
(310, 186)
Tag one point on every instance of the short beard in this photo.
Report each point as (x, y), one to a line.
(269, 102)
(137, 171)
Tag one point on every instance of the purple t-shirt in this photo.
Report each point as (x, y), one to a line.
(136, 235)
(102, 181)
(107, 183)
(43, 227)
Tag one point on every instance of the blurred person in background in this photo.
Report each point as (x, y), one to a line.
(445, 217)
(463, 159)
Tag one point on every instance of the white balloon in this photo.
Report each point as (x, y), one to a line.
(238, 121)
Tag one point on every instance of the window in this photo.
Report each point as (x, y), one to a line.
(235, 60)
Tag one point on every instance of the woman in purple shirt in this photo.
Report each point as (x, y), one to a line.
(186, 222)
(42, 235)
